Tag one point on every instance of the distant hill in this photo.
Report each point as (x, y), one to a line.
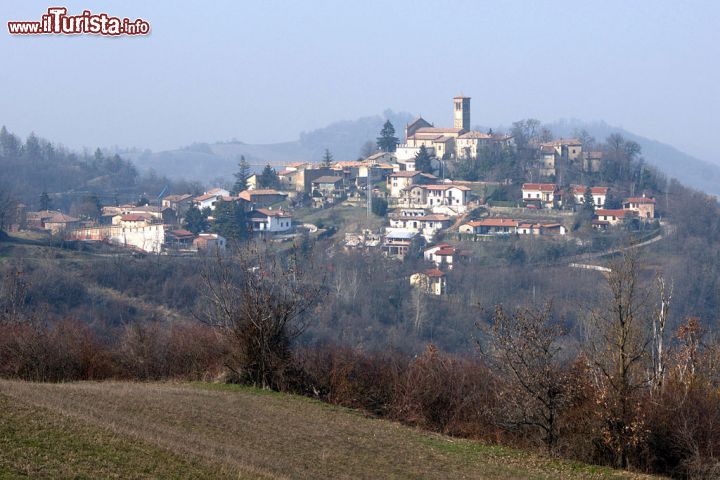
(689, 170)
(206, 162)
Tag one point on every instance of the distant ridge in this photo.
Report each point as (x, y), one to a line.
(345, 139)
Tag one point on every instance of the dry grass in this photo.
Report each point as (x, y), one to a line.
(203, 430)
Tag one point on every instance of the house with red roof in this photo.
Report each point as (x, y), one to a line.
(599, 195)
(644, 206)
(432, 281)
(609, 217)
(543, 195)
(266, 220)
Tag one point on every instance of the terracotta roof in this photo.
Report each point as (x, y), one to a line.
(405, 174)
(434, 273)
(438, 130)
(594, 190)
(350, 164)
(133, 217)
(181, 233)
(615, 212)
(445, 186)
(249, 194)
(543, 187)
(639, 200)
(207, 196)
(272, 213)
(443, 252)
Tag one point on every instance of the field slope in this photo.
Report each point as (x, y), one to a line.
(133, 430)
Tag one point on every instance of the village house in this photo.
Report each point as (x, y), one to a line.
(265, 220)
(53, 221)
(178, 203)
(381, 157)
(398, 181)
(442, 255)
(430, 196)
(606, 217)
(262, 198)
(508, 226)
(541, 229)
(165, 214)
(426, 225)
(399, 242)
(599, 195)
(330, 186)
(491, 226)
(210, 198)
(431, 281)
(179, 239)
(299, 176)
(542, 195)
(547, 160)
(567, 149)
(644, 206)
(209, 242)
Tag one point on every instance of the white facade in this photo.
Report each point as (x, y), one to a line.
(270, 221)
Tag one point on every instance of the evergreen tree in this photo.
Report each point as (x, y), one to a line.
(387, 141)
(196, 221)
(327, 158)
(230, 220)
(241, 176)
(269, 178)
(379, 206)
(423, 160)
(588, 202)
(45, 202)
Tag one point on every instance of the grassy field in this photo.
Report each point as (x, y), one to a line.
(132, 430)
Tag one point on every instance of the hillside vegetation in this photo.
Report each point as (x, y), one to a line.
(146, 430)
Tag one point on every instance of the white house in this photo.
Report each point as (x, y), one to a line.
(426, 225)
(398, 181)
(432, 281)
(209, 241)
(211, 197)
(544, 195)
(441, 255)
(599, 195)
(271, 221)
(430, 196)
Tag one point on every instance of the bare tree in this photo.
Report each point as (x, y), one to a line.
(259, 302)
(658, 333)
(616, 344)
(525, 346)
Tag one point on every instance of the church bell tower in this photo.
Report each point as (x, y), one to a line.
(461, 113)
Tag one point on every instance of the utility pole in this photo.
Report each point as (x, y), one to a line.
(368, 191)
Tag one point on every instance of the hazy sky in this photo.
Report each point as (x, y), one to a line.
(263, 71)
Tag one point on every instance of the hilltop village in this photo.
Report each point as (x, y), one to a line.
(430, 195)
